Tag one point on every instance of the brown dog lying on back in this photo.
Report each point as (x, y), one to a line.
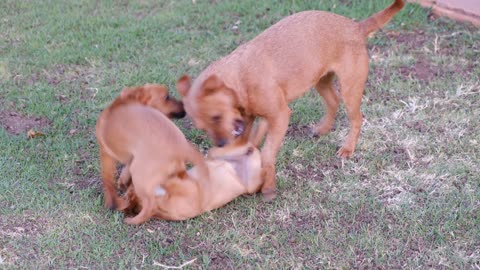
(234, 170)
(261, 77)
(134, 131)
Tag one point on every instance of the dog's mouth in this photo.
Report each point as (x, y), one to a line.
(238, 128)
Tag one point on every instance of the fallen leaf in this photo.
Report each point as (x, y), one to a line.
(32, 134)
(193, 62)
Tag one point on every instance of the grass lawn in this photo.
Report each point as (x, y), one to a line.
(408, 199)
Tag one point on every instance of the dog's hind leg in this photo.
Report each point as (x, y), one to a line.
(331, 100)
(352, 83)
(107, 164)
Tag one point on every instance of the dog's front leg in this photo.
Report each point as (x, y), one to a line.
(277, 128)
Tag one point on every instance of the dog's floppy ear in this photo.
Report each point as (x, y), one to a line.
(183, 85)
(138, 94)
(212, 84)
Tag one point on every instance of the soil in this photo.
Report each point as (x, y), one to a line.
(424, 70)
(15, 123)
(299, 131)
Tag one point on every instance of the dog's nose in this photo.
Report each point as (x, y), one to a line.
(179, 114)
(221, 142)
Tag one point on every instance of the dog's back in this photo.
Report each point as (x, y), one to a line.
(135, 128)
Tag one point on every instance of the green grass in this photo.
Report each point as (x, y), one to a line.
(409, 198)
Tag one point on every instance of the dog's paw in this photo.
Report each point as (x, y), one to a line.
(344, 152)
(322, 128)
(133, 221)
(269, 195)
(110, 203)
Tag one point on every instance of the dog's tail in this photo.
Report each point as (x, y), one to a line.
(378, 20)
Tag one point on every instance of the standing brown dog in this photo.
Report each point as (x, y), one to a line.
(261, 77)
(122, 136)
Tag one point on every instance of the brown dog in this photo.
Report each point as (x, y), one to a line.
(234, 170)
(146, 141)
(261, 77)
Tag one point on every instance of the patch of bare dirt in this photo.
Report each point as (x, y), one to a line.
(303, 222)
(84, 78)
(85, 183)
(15, 123)
(299, 131)
(422, 70)
(15, 227)
(19, 230)
(298, 171)
(408, 41)
(64, 73)
(417, 43)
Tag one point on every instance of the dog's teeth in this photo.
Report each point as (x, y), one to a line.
(159, 191)
(237, 132)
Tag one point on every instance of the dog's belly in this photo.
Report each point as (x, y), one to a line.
(222, 187)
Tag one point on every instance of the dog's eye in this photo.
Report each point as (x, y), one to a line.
(216, 118)
(167, 97)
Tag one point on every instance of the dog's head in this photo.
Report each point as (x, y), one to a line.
(214, 108)
(157, 97)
